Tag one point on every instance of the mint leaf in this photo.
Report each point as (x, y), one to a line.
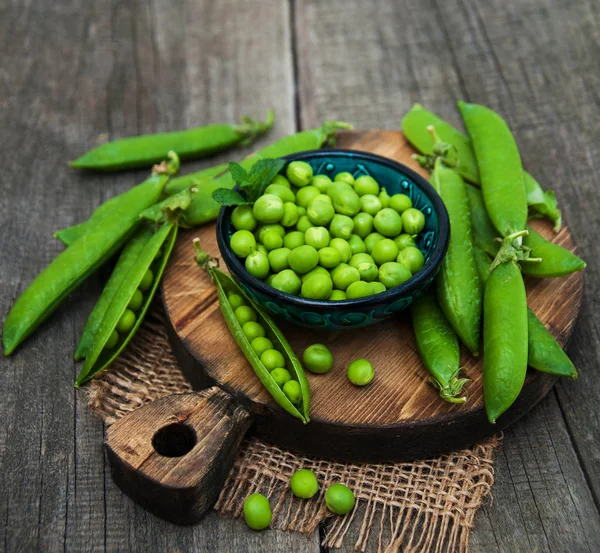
(238, 173)
(226, 196)
(261, 175)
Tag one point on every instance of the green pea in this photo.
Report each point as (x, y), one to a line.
(317, 358)
(281, 376)
(337, 295)
(393, 274)
(339, 499)
(344, 177)
(304, 484)
(268, 208)
(378, 287)
(260, 344)
(257, 511)
(112, 340)
(299, 173)
(338, 187)
(283, 192)
(136, 300)
(260, 248)
(413, 221)
(126, 322)
(320, 213)
(280, 179)
(343, 247)
(384, 198)
(303, 224)
(272, 359)
(317, 237)
(318, 270)
(266, 228)
(366, 184)
(360, 372)
(400, 202)
(290, 214)
(301, 211)
(358, 289)
(293, 239)
(371, 240)
(346, 202)
(359, 258)
(388, 222)
(287, 281)
(244, 313)
(411, 257)
(278, 259)
(252, 330)
(242, 218)
(368, 272)
(343, 276)
(363, 224)
(404, 241)
(271, 240)
(321, 182)
(317, 287)
(257, 264)
(146, 281)
(293, 392)
(341, 226)
(357, 244)
(242, 243)
(385, 250)
(306, 194)
(329, 257)
(235, 300)
(371, 204)
(303, 258)
(322, 197)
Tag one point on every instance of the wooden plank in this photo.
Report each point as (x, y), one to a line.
(111, 71)
(532, 61)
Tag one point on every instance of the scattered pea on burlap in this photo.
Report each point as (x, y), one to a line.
(421, 506)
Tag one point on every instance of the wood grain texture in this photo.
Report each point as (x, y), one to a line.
(397, 417)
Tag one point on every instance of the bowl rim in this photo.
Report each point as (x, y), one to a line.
(412, 284)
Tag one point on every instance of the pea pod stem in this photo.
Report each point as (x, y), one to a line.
(513, 249)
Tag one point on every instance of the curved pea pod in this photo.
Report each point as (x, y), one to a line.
(194, 179)
(505, 342)
(485, 234)
(204, 208)
(154, 254)
(500, 168)
(542, 203)
(556, 260)
(458, 284)
(225, 284)
(143, 151)
(438, 348)
(77, 262)
(414, 127)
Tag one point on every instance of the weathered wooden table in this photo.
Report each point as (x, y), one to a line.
(71, 70)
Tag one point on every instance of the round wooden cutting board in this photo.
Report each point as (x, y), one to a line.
(399, 416)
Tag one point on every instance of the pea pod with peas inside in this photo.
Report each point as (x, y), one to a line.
(414, 125)
(77, 262)
(287, 384)
(144, 150)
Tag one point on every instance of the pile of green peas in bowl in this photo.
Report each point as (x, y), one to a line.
(336, 237)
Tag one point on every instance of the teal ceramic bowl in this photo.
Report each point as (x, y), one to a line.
(347, 314)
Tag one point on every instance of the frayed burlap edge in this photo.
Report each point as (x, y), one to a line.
(425, 506)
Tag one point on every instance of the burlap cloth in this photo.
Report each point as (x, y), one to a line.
(422, 506)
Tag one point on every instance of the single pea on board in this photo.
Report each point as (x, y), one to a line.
(257, 512)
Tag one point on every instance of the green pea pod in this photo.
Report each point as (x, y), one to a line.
(500, 168)
(76, 263)
(482, 262)
(186, 181)
(541, 203)
(556, 260)
(415, 124)
(204, 208)
(68, 235)
(225, 284)
(484, 233)
(544, 352)
(458, 285)
(505, 343)
(154, 255)
(438, 348)
(143, 151)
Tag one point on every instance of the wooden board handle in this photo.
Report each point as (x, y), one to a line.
(172, 456)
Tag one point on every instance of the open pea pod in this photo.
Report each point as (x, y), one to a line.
(226, 285)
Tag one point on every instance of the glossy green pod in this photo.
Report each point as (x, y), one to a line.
(143, 151)
(77, 262)
(485, 234)
(194, 179)
(438, 347)
(556, 260)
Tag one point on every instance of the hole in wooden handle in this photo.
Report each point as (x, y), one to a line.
(174, 440)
